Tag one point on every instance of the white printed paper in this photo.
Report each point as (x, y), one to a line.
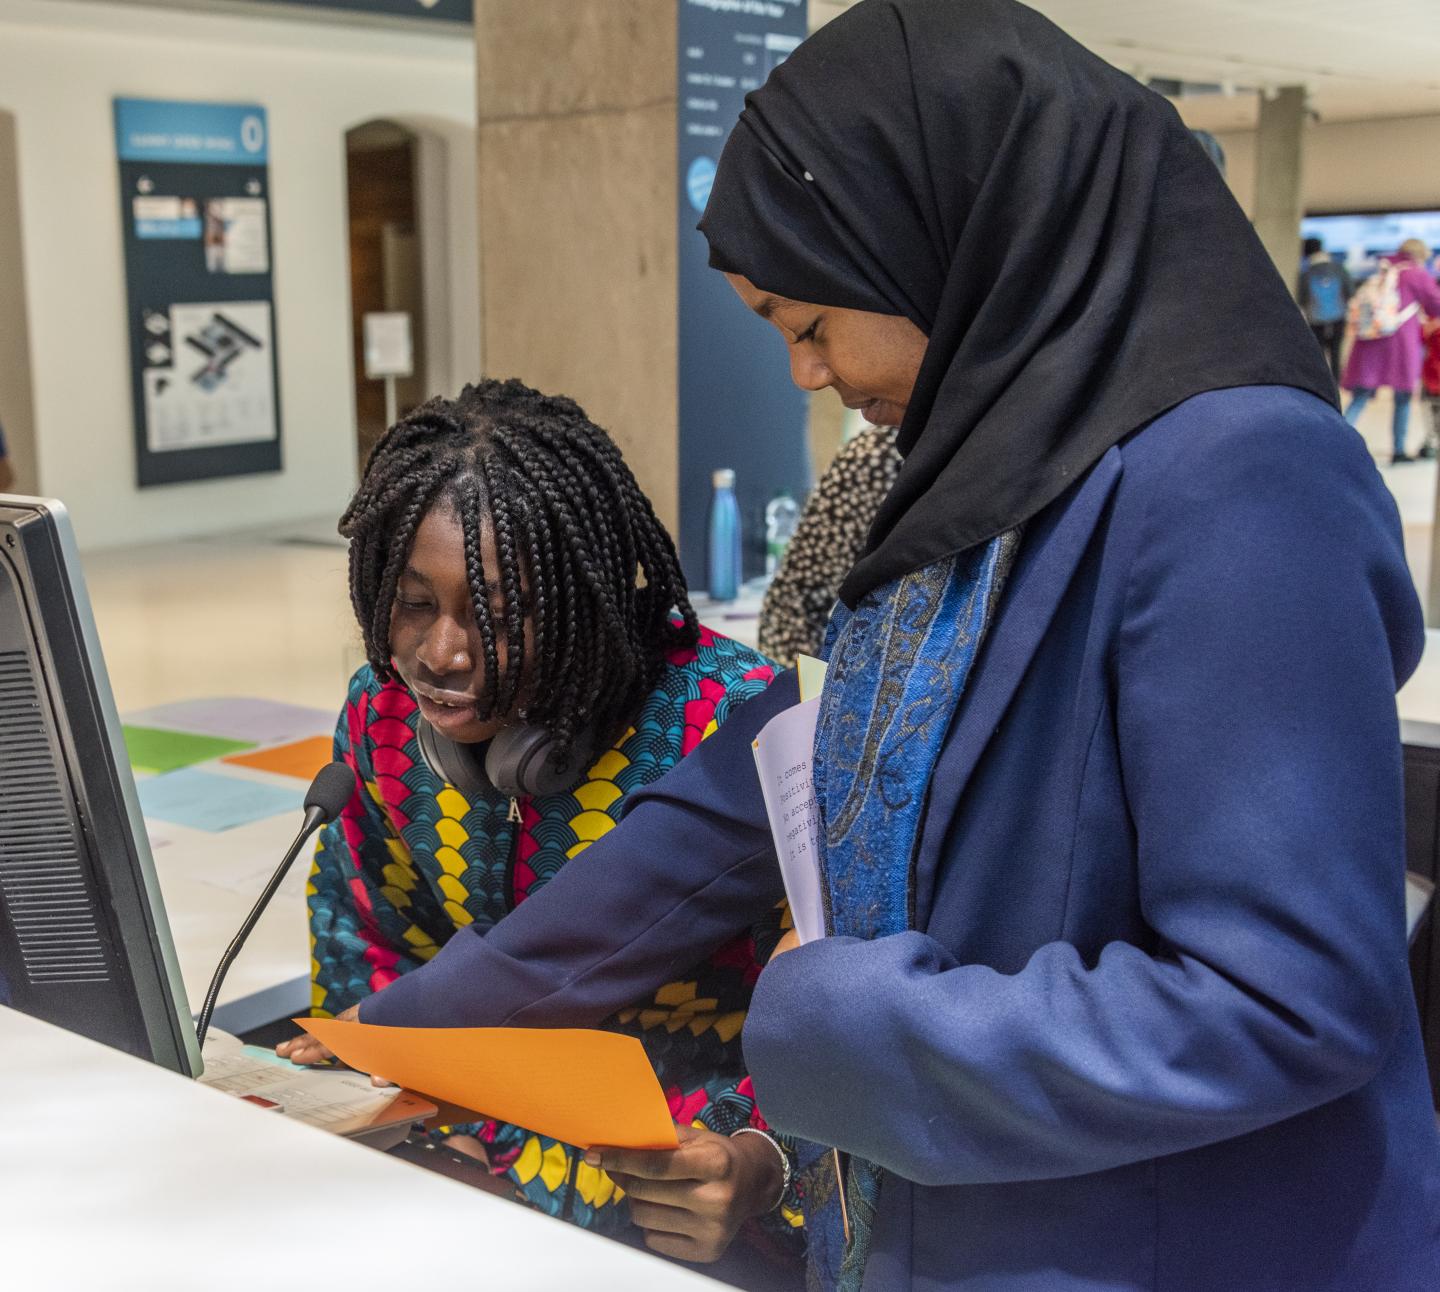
(214, 382)
(389, 351)
(337, 1100)
(784, 758)
(235, 236)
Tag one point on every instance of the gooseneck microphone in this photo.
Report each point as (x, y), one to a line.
(329, 792)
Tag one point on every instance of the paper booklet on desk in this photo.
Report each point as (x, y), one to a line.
(336, 1100)
(784, 754)
(581, 1087)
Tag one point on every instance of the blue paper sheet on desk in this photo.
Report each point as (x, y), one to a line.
(204, 801)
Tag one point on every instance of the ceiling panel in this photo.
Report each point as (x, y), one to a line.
(1358, 58)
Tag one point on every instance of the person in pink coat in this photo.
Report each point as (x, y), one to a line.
(1394, 361)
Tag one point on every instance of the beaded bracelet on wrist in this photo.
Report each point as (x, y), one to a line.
(783, 1155)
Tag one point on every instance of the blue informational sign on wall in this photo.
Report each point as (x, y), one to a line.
(738, 406)
(453, 11)
(154, 130)
(195, 210)
(698, 180)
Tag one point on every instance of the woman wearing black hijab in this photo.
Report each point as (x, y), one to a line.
(1116, 992)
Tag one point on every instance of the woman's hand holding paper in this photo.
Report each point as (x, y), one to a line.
(691, 1200)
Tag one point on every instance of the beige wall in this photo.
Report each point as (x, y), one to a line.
(16, 410)
(576, 181)
(827, 429)
(1354, 165)
(61, 63)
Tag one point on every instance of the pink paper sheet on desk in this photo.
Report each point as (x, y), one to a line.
(581, 1087)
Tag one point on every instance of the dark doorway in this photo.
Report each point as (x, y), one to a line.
(385, 265)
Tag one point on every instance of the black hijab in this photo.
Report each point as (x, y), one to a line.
(1070, 251)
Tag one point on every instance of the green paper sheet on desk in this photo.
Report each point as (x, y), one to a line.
(152, 749)
(581, 1087)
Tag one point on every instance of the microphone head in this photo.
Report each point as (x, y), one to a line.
(330, 791)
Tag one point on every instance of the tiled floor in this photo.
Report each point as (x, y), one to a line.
(1414, 488)
(242, 615)
(1412, 484)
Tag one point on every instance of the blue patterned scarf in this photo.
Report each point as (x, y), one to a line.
(898, 667)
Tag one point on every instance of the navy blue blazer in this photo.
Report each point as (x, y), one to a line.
(1154, 1028)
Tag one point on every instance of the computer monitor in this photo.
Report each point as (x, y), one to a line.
(84, 942)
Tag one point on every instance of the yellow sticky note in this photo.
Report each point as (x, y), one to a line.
(812, 676)
(581, 1087)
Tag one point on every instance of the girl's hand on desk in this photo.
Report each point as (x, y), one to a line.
(306, 1050)
(690, 1201)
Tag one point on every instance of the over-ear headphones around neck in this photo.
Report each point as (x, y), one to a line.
(520, 761)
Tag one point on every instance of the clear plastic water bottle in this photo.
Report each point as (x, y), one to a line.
(723, 563)
(782, 514)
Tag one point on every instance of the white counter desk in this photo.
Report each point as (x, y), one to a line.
(118, 1175)
(1419, 701)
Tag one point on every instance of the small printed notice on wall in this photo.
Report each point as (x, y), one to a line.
(389, 351)
(194, 183)
(237, 238)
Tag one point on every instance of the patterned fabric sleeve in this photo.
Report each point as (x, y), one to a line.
(357, 936)
(734, 1107)
(552, 1177)
(690, 1028)
(410, 864)
(540, 1168)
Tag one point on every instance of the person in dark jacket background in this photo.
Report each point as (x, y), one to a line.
(1325, 292)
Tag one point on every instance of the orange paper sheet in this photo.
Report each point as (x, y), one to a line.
(302, 759)
(581, 1087)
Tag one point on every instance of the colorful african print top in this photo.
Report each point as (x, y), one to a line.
(411, 861)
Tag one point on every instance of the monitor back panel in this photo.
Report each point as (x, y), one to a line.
(78, 943)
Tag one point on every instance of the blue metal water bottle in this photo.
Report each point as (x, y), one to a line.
(723, 563)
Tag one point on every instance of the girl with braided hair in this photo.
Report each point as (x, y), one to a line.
(505, 568)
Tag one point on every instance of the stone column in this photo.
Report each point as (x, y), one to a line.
(1280, 178)
(17, 413)
(576, 113)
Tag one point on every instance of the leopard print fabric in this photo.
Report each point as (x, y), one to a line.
(828, 541)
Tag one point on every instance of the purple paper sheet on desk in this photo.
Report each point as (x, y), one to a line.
(237, 717)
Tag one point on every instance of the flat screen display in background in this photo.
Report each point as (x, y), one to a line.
(738, 407)
(1359, 240)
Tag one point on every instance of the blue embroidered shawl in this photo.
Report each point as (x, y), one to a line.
(898, 666)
